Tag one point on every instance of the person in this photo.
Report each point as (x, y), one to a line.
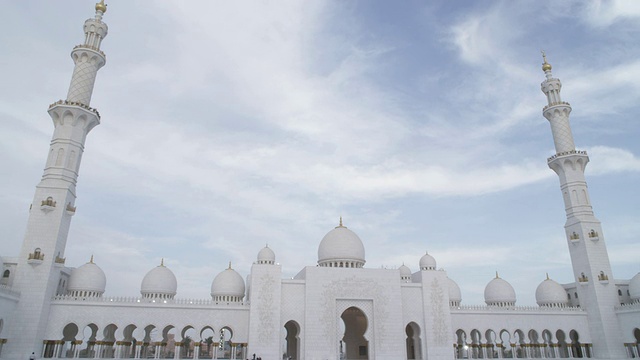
(32, 356)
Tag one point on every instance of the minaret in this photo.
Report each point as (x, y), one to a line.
(42, 254)
(585, 238)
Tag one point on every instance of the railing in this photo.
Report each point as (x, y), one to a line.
(146, 301)
(515, 308)
(629, 306)
(75, 103)
(570, 152)
(556, 104)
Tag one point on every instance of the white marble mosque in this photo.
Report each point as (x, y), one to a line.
(335, 309)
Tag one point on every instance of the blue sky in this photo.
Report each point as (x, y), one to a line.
(229, 125)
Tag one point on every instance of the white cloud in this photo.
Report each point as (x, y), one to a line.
(605, 13)
(607, 160)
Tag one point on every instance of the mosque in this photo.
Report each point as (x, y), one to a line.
(335, 309)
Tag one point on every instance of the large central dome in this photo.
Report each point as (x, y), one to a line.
(341, 247)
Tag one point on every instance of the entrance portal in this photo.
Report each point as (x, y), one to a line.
(354, 345)
(292, 340)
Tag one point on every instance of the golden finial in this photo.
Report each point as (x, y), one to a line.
(545, 65)
(341, 221)
(101, 6)
(547, 276)
(497, 277)
(162, 262)
(91, 260)
(229, 266)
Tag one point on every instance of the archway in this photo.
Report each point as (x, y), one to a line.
(69, 340)
(108, 340)
(356, 345)
(89, 340)
(292, 340)
(207, 339)
(414, 350)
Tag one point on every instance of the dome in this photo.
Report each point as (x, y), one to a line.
(159, 283)
(550, 293)
(634, 288)
(228, 286)
(266, 256)
(499, 293)
(427, 262)
(341, 247)
(455, 296)
(405, 272)
(87, 280)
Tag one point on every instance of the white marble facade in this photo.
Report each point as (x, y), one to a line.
(335, 309)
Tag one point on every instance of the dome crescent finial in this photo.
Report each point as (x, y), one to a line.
(101, 6)
(162, 262)
(229, 265)
(497, 276)
(547, 276)
(545, 65)
(91, 260)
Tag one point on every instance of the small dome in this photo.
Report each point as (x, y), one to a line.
(341, 247)
(455, 296)
(87, 280)
(634, 288)
(550, 293)
(427, 262)
(499, 293)
(405, 272)
(160, 282)
(228, 286)
(266, 256)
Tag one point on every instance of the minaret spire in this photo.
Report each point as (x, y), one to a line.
(587, 248)
(38, 273)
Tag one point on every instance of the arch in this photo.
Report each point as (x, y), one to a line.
(462, 346)
(189, 338)
(534, 344)
(108, 340)
(520, 349)
(292, 339)
(207, 339)
(356, 346)
(505, 342)
(224, 343)
(6, 274)
(576, 347)
(69, 333)
(476, 338)
(89, 341)
(547, 341)
(60, 157)
(563, 351)
(168, 345)
(129, 341)
(413, 342)
(491, 347)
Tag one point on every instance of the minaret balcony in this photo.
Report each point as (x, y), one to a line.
(565, 153)
(85, 46)
(74, 103)
(556, 104)
(71, 210)
(593, 235)
(574, 238)
(48, 205)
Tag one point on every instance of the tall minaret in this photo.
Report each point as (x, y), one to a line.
(585, 238)
(42, 254)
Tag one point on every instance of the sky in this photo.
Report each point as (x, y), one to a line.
(227, 126)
